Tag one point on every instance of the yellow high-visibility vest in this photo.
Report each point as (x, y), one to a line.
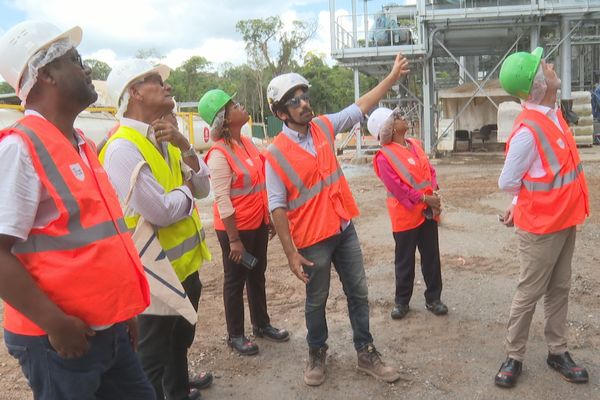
(184, 241)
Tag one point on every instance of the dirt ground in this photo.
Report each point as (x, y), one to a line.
(452, 357)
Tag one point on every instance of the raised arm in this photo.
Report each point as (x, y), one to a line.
(372, 97)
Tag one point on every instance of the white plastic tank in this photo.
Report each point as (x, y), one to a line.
(96, 125)
(507, 113)
(9, 116)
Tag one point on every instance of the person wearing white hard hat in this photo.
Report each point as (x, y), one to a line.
(163, 195)
(413, 206)
(70, 275)
(312, 208)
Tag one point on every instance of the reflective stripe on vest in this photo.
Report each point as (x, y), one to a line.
(405, 173)
(559, 180)
(78, 236)
(305, 193)
(325, 129)
(185, 246)
(247, 184)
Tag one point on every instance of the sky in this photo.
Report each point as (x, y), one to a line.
(114, 30)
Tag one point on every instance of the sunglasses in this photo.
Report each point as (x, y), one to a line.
(152, 78)
(294, 102)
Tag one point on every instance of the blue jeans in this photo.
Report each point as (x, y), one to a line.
(344, 251)
(110, 370)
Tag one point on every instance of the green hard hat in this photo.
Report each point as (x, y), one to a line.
(518, 71)
(211, 103)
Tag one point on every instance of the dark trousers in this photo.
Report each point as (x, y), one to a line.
(163, 345)
(236, 276)
(110, 369)
(425, 238)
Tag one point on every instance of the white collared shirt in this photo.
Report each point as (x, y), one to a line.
(149, 198)
(523, 156)
(24, 202)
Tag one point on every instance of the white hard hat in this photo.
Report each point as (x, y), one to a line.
(281, 85)
(126, 72)
(23, 41)
(379, 119)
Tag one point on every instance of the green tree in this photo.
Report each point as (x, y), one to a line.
(100, 70)
(192, 79)
(6, 88)
(149, 53)
(271, 49)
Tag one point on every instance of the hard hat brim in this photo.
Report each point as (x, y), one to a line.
(163, 70)
(74, 34)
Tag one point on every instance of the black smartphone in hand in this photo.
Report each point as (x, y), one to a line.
(248, 260)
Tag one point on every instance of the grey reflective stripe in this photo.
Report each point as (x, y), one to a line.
(78, 236)
(405, 174)
(188, 244)
(247, 187)
(325, 129)
(287, 168)
(250, 190)
(305, 193)
(390, 195)
(70, 241)
(56, 178)
(122, 225)
(546, 146)
(558, 181)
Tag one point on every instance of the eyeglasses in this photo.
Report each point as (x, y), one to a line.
(294, 102)
(76, 59)
(153, 78)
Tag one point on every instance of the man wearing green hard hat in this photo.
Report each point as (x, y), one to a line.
(544, 174)
(241, 219)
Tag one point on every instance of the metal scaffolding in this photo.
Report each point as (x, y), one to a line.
(466, 40)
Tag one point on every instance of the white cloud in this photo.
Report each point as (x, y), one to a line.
(117, 29)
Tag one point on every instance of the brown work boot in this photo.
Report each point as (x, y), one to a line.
(314, 374)
(369, 362)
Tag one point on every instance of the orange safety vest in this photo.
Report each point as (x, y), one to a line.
(318, 195)
(559, 199)
(248, 192)
(84, 260)
(413, 171)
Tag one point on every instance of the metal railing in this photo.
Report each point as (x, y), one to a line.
(375, 30)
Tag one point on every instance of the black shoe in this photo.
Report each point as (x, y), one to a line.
(567, 368)
(201, 381)
(242, 345)
(437, 307)
(272, 333)
(400, 311)
(508, 373)
(194, 395)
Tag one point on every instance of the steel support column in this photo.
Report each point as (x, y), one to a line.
(356, 96)
(565, 60)
(428, 126)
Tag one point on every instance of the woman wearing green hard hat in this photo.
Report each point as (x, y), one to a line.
(543, 173)
(241, 219)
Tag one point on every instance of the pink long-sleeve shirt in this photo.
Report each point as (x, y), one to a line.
(406, 195)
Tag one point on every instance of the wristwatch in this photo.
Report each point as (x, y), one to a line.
(189, 152)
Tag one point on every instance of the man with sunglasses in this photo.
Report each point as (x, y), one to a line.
(312, 209)
(70, 275)
(164, 196)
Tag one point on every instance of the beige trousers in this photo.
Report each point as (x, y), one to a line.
(545, 270)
